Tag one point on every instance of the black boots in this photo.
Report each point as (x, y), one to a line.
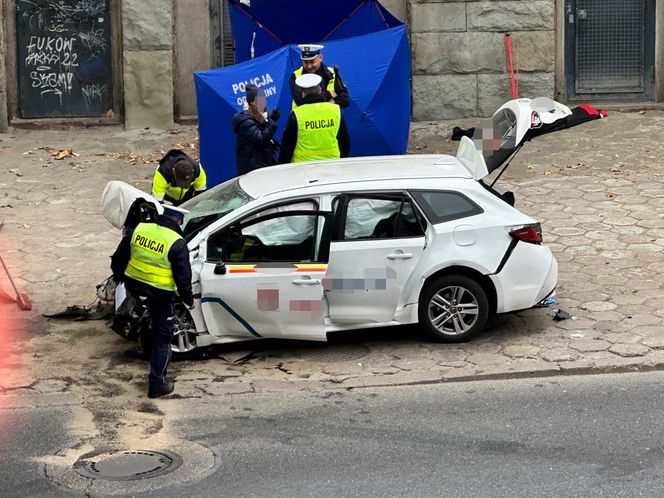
(165, 389)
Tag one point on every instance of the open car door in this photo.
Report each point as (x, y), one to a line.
(497, 139)
(264, 277)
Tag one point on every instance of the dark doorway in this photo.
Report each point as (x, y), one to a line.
(223, 52)
(610, 49)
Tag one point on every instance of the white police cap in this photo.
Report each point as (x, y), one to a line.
(308, 80)
(175, 212)
(310, 51)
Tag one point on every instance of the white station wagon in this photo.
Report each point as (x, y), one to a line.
(301, 250)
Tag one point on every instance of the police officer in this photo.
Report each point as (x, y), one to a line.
(333, 88)
(316, 129)
(153, 261)
(178, 178)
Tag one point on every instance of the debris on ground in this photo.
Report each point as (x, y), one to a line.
(562, 315)
(98, 311)
(545, 303)
(236, 356)
(60, 154)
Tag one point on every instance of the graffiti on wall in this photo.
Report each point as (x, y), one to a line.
(64, 57)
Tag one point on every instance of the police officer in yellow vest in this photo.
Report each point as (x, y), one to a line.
(153, 261)
(333, 88)
(316, 129)
(178, 178)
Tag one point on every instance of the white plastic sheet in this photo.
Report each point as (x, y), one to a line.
(117, 198)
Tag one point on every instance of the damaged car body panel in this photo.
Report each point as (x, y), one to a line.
(298, 251)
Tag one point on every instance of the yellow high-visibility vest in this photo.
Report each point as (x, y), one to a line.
(317, 128)
(149, 262)
(330, 84)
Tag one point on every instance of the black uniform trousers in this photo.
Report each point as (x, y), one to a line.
(162, 318)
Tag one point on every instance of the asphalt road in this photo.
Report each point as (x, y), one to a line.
(563, 436)
(569, 436)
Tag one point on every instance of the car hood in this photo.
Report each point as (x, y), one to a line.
(495, 141)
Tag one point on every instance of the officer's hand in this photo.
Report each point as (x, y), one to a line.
(193, 305)
(333, 94)
(275, 115)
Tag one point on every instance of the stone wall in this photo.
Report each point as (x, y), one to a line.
(3, 86)
(191, 50)
(147, 31)
(458, 54)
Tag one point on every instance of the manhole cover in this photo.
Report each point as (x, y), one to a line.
(345, 352)
(127, 465)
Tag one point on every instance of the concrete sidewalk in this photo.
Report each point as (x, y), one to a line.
(597, 189)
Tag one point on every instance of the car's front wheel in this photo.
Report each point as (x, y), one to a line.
(453, 308)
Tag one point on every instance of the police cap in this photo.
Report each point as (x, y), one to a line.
(308, 80)
(310, 51)
(175, 212)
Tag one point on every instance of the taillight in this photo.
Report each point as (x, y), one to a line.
(529, 233)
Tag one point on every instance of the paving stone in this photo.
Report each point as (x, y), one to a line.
(521, 351)
(452, 364)
(629, 349)
(559, 354)
(449, 355)
(654, 342)
(486, 359)
(578, 324)
(599, 306)
(612, 316)
(589, 345)
(472, 348)
(413, 364)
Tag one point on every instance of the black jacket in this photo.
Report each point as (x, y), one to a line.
(289, 139)
(254, 144)
(340, 88)
(178, 255)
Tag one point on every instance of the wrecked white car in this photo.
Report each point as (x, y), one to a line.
(298, 251)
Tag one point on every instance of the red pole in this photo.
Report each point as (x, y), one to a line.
(510, 65)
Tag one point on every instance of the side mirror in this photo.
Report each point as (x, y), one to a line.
(220, 268)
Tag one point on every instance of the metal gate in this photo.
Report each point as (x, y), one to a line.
(610, 49)
(223, 52)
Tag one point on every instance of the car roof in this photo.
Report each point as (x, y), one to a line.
(356, 169)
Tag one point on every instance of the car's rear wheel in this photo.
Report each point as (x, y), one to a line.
(453, 308)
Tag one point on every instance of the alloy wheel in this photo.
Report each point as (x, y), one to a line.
(453, 310)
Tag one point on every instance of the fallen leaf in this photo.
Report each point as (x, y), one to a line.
(63, 154)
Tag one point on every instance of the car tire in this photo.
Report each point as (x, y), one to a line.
(453, 308)
(183, 344)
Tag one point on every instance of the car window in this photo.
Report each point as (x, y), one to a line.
(286, 228)
(371, 218)
(294, 240)
(440, 206)
(303, 205)
(206, 208)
